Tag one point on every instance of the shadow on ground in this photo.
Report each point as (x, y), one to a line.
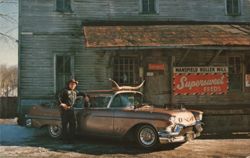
(229, 135)
(13, 135)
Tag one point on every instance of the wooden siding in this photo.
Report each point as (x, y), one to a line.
(120, 10)
(93, 69)
(37, 64)
(45, 33)
(178, 10)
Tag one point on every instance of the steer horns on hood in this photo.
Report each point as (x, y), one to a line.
(117, 87)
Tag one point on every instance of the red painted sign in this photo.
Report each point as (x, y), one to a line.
(200, 80)
(156, 67)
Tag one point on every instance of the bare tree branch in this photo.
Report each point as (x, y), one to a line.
(8, 20)
(8, 36)
(8, 80)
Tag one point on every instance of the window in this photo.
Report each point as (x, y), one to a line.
(126, 70)
(235, 73)
(126, 100)
(248, 64)
(116, 102)
(64, 71)
(247, 75)
(99, 101)
(149, 6)
(63, 5)
(233, 7)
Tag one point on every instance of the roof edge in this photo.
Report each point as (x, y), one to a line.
(136, 23)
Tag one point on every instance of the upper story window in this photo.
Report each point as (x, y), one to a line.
(233, 7)
(149, 6)
(63, 5)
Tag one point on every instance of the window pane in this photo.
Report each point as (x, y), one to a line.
(59, 5)
(237, 65)
(235, 7)
(231, 65)
(145, 6)
(63, 71)
(152, 6)
(59, 64)
(229, 6)
(248, 64)
(127, 100)
(126, 71)
(67, 5)
(235, 73)
(235, 81)
(116, 101)
(67, 64)
(59, 82)
(100, 101)
(63, 5)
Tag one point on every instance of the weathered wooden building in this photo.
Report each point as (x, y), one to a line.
(136, 40)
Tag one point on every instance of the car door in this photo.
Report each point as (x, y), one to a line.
(97, 119)
(124, 113)
(78, 108)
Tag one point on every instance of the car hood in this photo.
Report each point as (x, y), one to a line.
(182, 116)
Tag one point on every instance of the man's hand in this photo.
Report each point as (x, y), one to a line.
(86, 99)
(64, 106)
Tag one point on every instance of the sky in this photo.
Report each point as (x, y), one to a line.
(9, 26)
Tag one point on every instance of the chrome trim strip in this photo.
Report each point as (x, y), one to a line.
(42, 117)
(172, 140)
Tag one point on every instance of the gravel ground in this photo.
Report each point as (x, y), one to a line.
(22, 142)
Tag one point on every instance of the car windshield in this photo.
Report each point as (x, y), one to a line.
(126, 99)
(99, 101)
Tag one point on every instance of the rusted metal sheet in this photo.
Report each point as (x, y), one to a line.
(165, 35)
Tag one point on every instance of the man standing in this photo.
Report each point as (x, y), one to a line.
(67, 99)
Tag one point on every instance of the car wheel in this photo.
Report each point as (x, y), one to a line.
(55, 131)
(147, 137)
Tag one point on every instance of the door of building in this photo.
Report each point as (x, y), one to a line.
(157, 88)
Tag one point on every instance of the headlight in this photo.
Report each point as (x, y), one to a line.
(172, 119)
(199, 117)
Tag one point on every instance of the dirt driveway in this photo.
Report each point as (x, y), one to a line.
(22, 142)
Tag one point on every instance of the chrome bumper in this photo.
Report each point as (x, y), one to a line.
(175, 136)
(28, 121)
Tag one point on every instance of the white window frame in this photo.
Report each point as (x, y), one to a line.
(239, 9)
(157, 8)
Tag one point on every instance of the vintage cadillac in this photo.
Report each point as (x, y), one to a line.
(121, 113)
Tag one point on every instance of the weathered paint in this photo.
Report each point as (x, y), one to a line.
(45, 33)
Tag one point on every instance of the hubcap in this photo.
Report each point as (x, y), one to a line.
(147, 136)
(55, 130)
